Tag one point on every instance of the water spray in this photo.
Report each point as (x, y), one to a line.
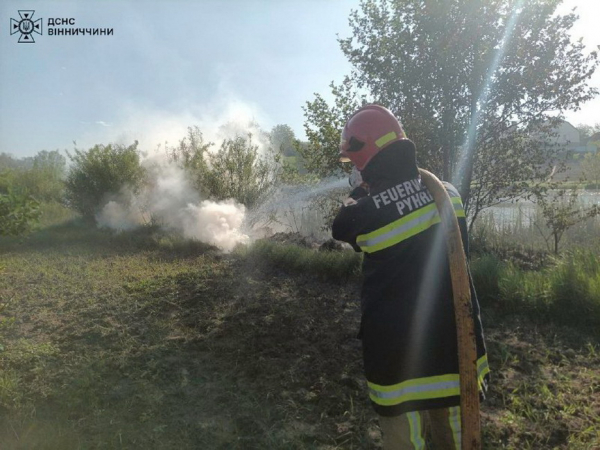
(290, 203)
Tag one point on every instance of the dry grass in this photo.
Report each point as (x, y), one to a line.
(143, 341)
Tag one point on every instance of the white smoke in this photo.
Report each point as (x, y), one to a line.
(216, 223)
(171, 201)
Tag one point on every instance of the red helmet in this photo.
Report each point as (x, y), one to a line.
(367, 132)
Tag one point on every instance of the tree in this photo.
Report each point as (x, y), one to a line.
(282, 139)
(45, 180)
(7, 161)
(561, 210)
(591, 168)
(100, 172)
(587, 131)
(323, 128)
(474, 83)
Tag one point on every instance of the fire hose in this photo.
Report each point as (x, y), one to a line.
(463, 311)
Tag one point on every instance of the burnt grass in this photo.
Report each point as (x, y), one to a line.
(106, 344)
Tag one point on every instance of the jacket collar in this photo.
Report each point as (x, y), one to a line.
(392, 165)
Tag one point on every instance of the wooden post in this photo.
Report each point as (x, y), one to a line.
(463, 310)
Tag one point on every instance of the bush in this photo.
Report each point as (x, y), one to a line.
(100, 172)
(41, 176)
(567, 292)
(8, 178)
(486, 272)
(238, 171)
(19, 212)
(523, 291)
(574, 286)
(190, 155)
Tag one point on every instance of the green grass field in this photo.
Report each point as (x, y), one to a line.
(143, 341)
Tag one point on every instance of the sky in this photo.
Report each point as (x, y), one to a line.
(174, 64)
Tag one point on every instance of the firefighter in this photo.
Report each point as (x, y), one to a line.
(408, 328)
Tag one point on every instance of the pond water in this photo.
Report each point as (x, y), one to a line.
(524, 212)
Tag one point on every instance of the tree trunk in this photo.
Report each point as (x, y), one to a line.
(469, 158)
(446, 176)
(465, 184)
(447, 136)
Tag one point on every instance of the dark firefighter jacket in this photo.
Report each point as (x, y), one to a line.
(408, 326)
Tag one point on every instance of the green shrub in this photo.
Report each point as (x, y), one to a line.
(523, 291)
(41, 176)
(100, 172)
(486, 272)
(8, 178)
(190, 155)
(19, 212)
(238, 171)
(574, 286)
(567, 292)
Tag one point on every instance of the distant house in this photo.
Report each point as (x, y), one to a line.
(593, 143)
(567, 139)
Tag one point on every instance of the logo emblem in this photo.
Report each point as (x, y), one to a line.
(26, 26)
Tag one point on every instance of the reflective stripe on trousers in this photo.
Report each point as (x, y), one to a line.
(407, 431)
